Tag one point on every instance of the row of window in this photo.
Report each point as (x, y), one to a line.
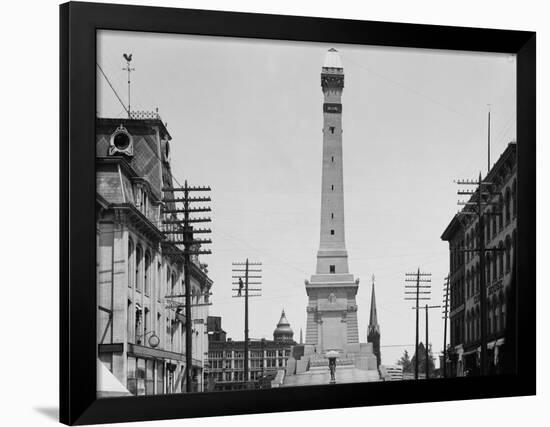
(140, 274)
(497, 264)
(498, 216)
(228, 354)
(496, 320)
(253, 363)
(141, 329)
(143, 374)
(153, 376)
(139, 268)
(235, 376)
(468, 327)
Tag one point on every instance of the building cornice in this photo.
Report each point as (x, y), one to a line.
(138, 219)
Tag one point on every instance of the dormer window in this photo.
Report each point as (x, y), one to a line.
(331, 128)
(142, 200)
(121, 142)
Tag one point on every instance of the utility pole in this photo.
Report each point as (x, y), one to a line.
(476, 207)
(128, 58)
(445, 316)
(191, 247)
(427, 307)
(238, 271)
(418, 278)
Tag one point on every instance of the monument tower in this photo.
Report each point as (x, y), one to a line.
(332, 308)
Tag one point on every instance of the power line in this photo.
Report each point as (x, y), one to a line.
(414, 91)
(113, 89)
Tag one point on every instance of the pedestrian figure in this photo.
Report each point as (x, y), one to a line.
(332, 367)
(241, 285)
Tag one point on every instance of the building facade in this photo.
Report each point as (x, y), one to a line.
(265, 358)
(141, 313)
(499, 232)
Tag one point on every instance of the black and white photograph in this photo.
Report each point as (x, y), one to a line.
(273, 214)
(277, 213)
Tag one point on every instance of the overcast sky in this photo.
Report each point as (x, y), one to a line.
(246, 118)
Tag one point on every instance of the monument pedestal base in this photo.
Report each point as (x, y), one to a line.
(305, 366)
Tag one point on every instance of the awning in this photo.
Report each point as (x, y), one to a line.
(107, 384)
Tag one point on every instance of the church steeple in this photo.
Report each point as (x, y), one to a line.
(373, 334)
(373, 319)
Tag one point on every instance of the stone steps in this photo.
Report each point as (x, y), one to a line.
(321, 375)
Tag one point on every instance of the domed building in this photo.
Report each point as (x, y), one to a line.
(266, 357)
(283, 332)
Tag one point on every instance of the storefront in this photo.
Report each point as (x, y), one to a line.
(151, 371)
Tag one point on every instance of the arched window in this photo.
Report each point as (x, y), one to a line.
(147, 276)
(174, 283)
(477, 323)
(507, 201)
(508, 245)
(488, 268)
(496, 308)
(168, 280)
(513, 247)
(514, 199)
(494, 220)
(158, 281)
(468, 326)
(501, 258)
(139, 268)
(131, 264)
(489, 317)
(501, 212)
(502, 310)
(476, 278)
(497, 314)
(138, 323)
(130, 322)
(478, 316)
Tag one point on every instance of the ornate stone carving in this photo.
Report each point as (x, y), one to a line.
(332, 81)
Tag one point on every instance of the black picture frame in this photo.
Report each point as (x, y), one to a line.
(78, 25)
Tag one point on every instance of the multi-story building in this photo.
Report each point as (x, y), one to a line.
(226, 358)
(499, 233)
(141, 313)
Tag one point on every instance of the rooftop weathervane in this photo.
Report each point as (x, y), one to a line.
(128, 58)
